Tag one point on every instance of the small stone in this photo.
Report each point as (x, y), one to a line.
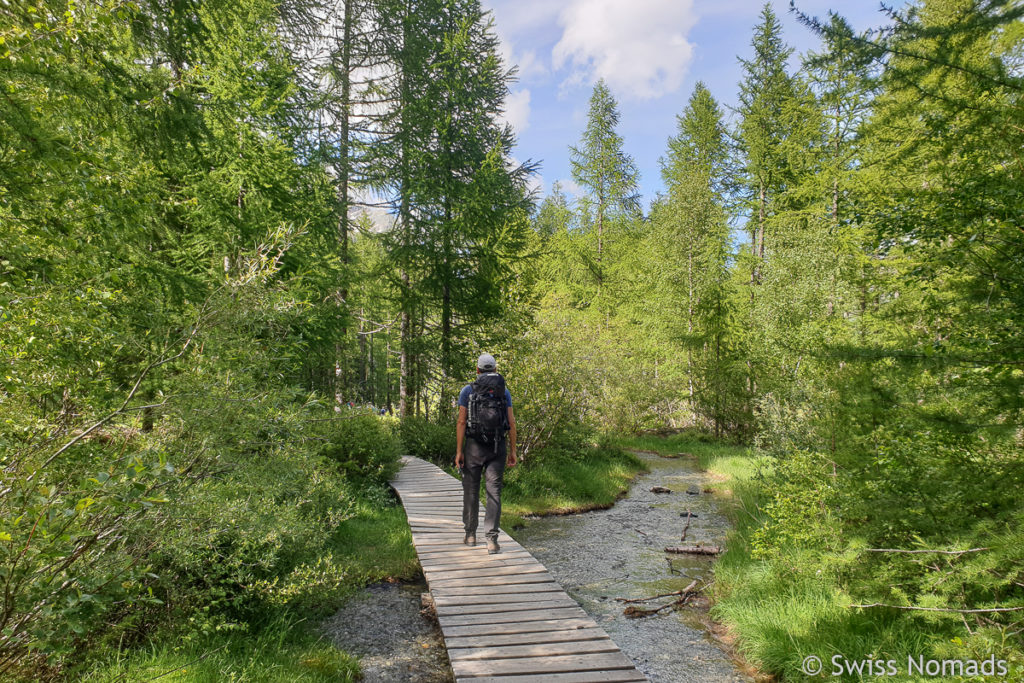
(693, 490)
(660, 489)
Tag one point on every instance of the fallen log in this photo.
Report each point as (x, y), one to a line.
(694, 549)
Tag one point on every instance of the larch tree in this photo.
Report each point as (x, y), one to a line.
(690, 236)
(606, 173)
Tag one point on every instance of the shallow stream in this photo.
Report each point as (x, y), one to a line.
(619, 553)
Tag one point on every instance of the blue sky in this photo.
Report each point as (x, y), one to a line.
(650, 52)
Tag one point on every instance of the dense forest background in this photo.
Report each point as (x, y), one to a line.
(222, 222)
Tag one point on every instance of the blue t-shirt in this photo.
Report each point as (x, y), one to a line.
(468, 390)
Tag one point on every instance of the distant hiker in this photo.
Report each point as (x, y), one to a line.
(485, 415)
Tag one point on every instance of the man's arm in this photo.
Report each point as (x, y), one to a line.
(460, 436)
(512, 459)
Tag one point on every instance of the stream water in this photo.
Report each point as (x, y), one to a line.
(619, 553)
(596, 557)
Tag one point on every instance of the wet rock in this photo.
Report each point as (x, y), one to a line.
(693, 490)
(660, 489)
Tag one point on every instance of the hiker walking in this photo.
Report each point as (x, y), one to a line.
(485, 415)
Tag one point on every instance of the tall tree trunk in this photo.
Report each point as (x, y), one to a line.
(343, 172)
(405, 367)
(689, 321)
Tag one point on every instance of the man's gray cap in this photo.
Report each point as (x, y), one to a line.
(485, 362)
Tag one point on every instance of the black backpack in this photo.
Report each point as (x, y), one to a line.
(487, 414)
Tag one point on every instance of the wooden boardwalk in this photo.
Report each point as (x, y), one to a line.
(503, 616)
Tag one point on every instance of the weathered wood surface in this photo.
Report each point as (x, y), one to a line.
(504, 617)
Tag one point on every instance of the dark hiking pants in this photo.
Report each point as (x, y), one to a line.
(481, 459)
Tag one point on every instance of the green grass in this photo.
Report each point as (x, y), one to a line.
(781, 616)
(280, 651)
(726, 463)
(377, 544)
(559, 484)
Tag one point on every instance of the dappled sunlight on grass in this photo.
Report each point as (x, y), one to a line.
(560, 484)
(281, 651)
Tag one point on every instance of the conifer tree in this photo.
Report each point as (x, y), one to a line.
(606, 173)
(778, 131)
(690, 238)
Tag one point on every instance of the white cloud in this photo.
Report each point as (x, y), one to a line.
(517, 110)
(638, 47)
(571, 188)
(535, 184)
(519, 25)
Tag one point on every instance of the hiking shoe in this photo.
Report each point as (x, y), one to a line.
(470, 539)
(492, 546)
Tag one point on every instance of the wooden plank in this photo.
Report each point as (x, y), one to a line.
(495, 570)
(446, 601)
(454, 521)
(470, 574)
(447, 610)
(579, 647)
(450, 524)
(542, 665)
(620, 676)
(481, 540)
(541, 587)
(515, 616)
(417, 497)
(541, 626)
(445, 539)
(524, 589)
(475, 559)
(454, 504)
(482, 562)
(484, 581)
(545, 592)
(530, 638)
(458, 549)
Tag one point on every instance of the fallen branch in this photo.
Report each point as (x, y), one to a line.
(944, 609)
(694, 549)
(633, 612)
(687, 527)
(662, 595)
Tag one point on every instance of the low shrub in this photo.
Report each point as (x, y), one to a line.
(364, 447)
(428, 440)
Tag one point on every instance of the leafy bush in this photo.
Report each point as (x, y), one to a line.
(364, 446)
(428, 440)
